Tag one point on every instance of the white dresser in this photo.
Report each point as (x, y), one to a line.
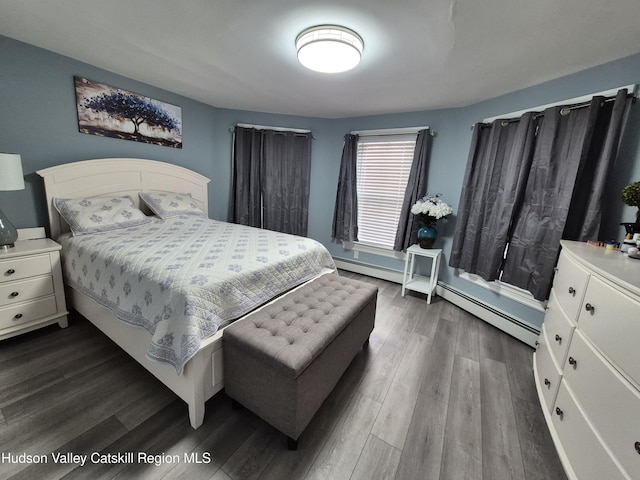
(31, 288)
(587, 364)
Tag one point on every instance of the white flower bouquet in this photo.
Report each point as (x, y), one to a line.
(429, 209)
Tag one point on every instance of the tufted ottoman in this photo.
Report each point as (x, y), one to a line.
(282, 361)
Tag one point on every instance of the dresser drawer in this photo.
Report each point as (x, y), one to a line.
(559, 330)
(547, 371)
(22, 313)
(606, 399)
(24, 290)
(569, 285)
(611, 320)
(588, 456)
(18, 268)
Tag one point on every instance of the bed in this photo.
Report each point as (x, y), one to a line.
(193, 370)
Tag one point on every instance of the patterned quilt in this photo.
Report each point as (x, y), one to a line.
(183, 278)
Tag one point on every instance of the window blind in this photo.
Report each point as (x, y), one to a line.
(383, 167)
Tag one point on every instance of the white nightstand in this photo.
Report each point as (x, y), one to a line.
(31, 288)
(418, 283)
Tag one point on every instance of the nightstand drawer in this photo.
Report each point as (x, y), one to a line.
(18, 268)
(22, 313)
(22, 291)
(31, 286)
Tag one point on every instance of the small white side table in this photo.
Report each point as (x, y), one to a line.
(31, 285)
(421, 284)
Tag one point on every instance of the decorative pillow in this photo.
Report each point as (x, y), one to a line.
(167, 205)
(99, 214)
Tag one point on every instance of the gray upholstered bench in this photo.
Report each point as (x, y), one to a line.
(282, 361)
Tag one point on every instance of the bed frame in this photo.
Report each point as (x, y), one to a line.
(202, 377)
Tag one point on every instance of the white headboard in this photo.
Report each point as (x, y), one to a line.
(117, 176)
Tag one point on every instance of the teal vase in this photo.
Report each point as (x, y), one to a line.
(427, 237)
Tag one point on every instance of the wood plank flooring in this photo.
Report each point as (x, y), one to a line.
(438, 394)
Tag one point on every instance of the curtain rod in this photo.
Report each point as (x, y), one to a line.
(566, 101)
(568, 108)
(392, 131)
(266, 127)
(563, 111)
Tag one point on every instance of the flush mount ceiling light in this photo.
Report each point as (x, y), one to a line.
(329, 48)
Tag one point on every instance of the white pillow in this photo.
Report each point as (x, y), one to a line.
(166, 205)
(99, 214)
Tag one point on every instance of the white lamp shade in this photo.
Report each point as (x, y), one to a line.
(11, 176)
(329, 48)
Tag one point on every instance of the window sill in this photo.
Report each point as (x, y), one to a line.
(504, 289)
(373, 249)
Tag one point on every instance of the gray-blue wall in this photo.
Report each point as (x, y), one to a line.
(39, 121)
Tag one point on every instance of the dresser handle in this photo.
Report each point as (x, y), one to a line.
(11, 271)
(559, 412)
(589, 308)
(18, 316)
(637, 447)
(558, 339)
(572, 361)
(572, 290)
(14, 294)
(547, 382)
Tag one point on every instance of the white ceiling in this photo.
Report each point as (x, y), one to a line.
(418, 55)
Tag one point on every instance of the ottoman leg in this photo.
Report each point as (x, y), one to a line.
(292, 444)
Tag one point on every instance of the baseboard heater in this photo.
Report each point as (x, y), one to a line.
(369, 270)
(515, 327)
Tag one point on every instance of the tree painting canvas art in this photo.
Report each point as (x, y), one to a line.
(112, 112)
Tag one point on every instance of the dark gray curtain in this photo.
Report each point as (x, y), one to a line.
(585, 213)
(271, 179)
(286, 170)
(416, 188)
(246, 196)
(494, 185)
(575, 148)
(345, 214)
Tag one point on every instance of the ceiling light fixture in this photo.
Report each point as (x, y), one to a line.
(329, 48)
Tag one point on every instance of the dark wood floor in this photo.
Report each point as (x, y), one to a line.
(438, 394)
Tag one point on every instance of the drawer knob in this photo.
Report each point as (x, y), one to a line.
(559, 412)
(558, 338)
(572, 290)
(11, 271)
(14, 294)
(547, 382)
(589, 308)
(637, 447)
(18, 316)
(572, 361)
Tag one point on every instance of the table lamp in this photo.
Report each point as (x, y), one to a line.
(11, 178)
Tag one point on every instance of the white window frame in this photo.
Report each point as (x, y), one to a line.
(365, 247)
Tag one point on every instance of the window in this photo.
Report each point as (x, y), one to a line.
(531, 181)
(383, 166)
